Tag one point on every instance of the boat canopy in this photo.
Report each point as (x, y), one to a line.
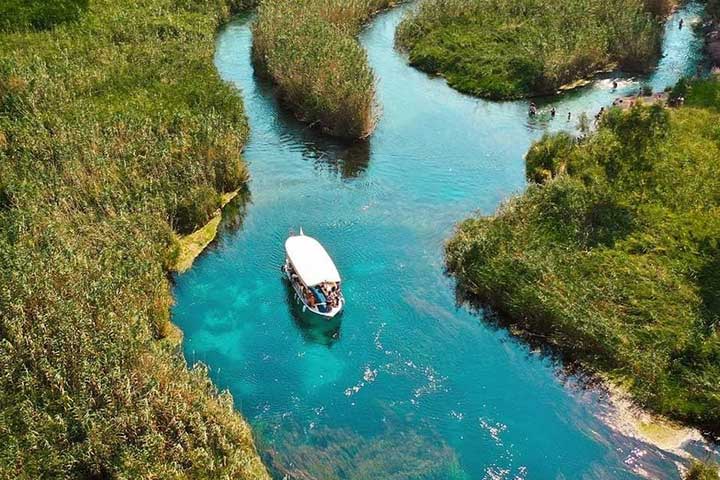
(310, 260)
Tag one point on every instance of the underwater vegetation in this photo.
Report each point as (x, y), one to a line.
(326, 452)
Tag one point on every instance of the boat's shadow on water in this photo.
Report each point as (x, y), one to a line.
(314, 329)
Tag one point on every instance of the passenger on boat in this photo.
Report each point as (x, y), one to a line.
(332, 300)
(310, 299)
(330, 290)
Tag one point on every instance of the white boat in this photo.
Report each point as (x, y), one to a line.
(313, 276)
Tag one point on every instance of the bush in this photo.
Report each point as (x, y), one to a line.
(231, 172)
(703, 93)
(481, 48)
(542, 160)
(614, 260)
(680, 90)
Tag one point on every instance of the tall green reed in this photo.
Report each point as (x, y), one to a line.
(309, 50)
(115, 133)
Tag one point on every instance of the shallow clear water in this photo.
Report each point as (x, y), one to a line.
(407, 384)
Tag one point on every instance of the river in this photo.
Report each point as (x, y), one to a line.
(407, 384)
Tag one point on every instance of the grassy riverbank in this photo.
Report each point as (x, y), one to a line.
(310, 51)
(505, 49)
(115, 130)
(614, 261)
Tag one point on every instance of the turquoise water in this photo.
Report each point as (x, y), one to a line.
(406, 384)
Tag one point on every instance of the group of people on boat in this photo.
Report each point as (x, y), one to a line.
(326, 293)
(331, 291)
(306, 292)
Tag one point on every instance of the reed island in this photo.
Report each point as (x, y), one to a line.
(611, 257)
(505, 49)
(309, 50)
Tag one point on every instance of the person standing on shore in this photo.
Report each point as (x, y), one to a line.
(599, 115)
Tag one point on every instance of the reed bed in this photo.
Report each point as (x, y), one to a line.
(505, 49)
(309, 49)
(613, 261)
(115, 133)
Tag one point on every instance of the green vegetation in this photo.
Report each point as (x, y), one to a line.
(614, 261)
(18, 15)
(702, 471)
(508, 48)
(310, 51)
(114, 128)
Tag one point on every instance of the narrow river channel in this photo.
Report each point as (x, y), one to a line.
(407, 384)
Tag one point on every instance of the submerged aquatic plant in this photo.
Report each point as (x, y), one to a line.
(326, 452)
